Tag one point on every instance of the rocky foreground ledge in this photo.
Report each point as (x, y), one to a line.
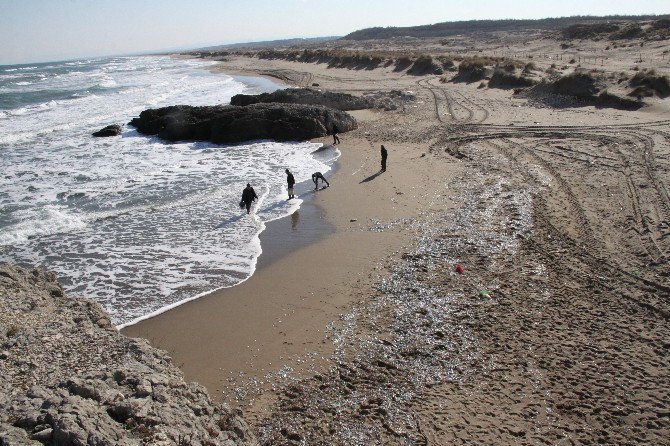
(69, 378)
(229, 124)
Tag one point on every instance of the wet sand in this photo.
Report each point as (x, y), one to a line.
(556, 333)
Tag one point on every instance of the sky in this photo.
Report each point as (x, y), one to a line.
(52, 30)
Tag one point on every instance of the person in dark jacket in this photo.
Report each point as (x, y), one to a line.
(316, 176)
(248, 196)
(385, 155)
(336, 139)
(290, 181)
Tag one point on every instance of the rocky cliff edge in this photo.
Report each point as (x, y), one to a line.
(68, 377)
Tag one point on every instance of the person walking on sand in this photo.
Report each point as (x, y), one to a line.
(290, 181)
(248, 196)
(385, 155)
(316, 176)
(336, 139)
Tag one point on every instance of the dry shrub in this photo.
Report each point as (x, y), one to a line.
(530, 66)
(447, 62)
(661, 24)
(648, 83)
(357, 60)
(579, 85)
(424, 64)
(471, 70)
(631, 31)
(588, 30)
(402, 63)
(502, 79)
(507, 66)
(609, 100)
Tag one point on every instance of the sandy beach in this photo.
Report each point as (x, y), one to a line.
(280, 316)
(557, 330)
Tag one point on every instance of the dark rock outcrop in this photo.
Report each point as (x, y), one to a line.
(228, 124)
(110, 130)
(68, 377)
(305, 96)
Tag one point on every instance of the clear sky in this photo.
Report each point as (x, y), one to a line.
(47, 30)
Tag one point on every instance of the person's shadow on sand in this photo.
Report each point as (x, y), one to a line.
(372, 177)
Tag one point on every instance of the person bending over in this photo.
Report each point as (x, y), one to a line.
(316, 176)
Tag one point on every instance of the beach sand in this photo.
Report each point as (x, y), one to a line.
(313, 267)
(555, 334)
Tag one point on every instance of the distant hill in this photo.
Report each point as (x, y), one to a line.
(445, 29)
(271, 44)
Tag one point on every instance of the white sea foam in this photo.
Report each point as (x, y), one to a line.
(48, 220)
(136, 223)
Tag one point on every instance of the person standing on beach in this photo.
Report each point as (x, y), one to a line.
(316, 176)
(336, 139)
(385, 155)
(248, 196)
(290, 181)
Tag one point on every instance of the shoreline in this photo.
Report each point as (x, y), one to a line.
(256, 84)
(280, 318)
(266, 236)
(286, 306)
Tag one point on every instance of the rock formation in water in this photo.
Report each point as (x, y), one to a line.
(70, 378)
(229, 124)
(110, 130)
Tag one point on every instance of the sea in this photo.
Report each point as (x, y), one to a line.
(138, 224)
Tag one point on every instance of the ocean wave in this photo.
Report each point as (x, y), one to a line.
(12, 70)
(22, 111)
(46, 221)
(107, 83)
(71, 196)
(77, 63)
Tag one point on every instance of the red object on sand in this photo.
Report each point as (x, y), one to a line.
(460, 269)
